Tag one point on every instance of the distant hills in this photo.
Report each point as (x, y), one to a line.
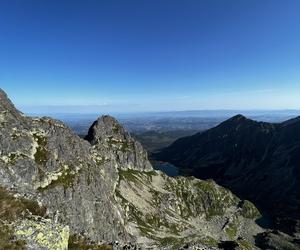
(259, 161)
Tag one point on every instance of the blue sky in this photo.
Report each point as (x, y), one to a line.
(148, 55)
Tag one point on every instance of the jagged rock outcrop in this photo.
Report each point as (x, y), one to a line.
(103, 190)
(44, 160)
(258, 161)
(106, 134)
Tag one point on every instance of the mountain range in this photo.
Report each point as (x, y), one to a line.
(258, 161)
(60, 191)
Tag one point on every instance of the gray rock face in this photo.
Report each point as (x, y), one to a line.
(106, 134)
(43, 159)
(6, 106)
(105, 189)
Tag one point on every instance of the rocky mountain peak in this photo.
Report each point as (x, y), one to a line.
(238, 117)
(6, 105)
(105, 127)
(8, 112)
(238, 122)
(107, 134)
(109, 119)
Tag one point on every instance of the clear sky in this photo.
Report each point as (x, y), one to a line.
(142, 55)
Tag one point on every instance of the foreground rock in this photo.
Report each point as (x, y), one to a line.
(102, 193)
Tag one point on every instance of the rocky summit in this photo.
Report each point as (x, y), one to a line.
(59, 191)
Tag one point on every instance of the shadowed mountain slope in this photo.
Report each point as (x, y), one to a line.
(256, 160)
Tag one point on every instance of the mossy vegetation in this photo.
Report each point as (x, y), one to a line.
(66, 178)
(173, 242)
(249, 210)
(184, 198)
(8, 240)
(117, 128)
(11, 209)
(136, 216)
(33, 207)
(128, 175)
(78, 242)
(125, 146)
(244, 245)
(41, 155)
(200, 197)
(122, 145)
(232, 229)
(135, 175)
(209, 241)
(150, 224)
(216, 198)
(13, 157)
(157, 197)
(156, 222)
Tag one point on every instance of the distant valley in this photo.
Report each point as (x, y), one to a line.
(156, 130)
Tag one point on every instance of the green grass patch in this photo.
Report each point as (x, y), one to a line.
(41, 155)
(66, 179)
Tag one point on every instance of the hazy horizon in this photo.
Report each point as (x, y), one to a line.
(171, 113)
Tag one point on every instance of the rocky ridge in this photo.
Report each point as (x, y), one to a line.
(59, 191)
(258, 161)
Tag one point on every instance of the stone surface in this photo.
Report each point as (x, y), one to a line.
(42, 234)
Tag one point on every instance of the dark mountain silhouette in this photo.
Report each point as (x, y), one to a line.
(257, 160)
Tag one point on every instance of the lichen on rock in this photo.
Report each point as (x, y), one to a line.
(42, 233)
